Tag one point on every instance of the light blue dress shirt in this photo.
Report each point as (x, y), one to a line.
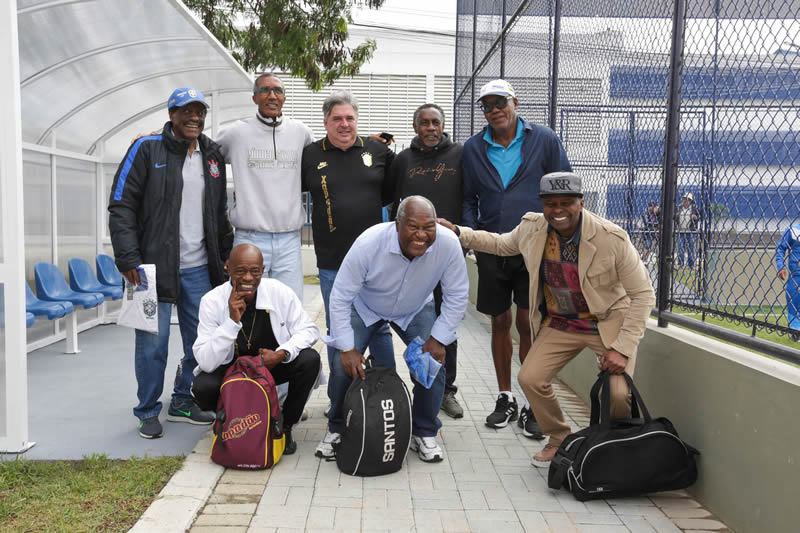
(505, 159)
(382, 284)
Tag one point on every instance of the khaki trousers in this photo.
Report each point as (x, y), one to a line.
(550, 352)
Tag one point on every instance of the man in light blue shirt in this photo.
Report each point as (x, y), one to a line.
(388, 276)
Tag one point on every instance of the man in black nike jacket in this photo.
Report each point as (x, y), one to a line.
(168, 207)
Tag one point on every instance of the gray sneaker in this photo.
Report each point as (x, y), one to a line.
(150, 428)
(450, 405)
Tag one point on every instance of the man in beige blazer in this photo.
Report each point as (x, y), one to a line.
(588, 289)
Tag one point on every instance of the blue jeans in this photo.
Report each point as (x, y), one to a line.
(793, 300)
(151, 348)
(425, 422)
(381, 344)
(687, 242)
(282, 256)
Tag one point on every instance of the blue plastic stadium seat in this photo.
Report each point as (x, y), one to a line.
(29, 319)
(81, 279)
(107, 272)
(51, 310)
(52, 287)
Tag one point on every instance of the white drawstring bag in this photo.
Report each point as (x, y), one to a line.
(140, 302)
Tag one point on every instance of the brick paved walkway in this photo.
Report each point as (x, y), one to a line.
(485, 483)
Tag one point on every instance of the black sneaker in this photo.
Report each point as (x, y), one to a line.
(291, 445)
(530, 427)
(187, 411)
(150, 428)
(504, 412)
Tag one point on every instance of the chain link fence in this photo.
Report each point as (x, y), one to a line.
(715, 81)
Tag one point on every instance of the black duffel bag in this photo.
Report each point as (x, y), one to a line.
(623, 457)
(377, 433)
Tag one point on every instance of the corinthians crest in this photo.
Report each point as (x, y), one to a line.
(367, 158)
(213, 168)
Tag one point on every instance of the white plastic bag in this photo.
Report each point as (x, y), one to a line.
(140, 302)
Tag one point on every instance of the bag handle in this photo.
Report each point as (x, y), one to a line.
(601, 407)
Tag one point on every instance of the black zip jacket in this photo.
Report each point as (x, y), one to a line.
(145, 204)
(435, 174)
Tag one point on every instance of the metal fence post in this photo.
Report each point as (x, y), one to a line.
(503, 44)
(554, 70)
(630, 223)
(472, 82)
(671, 159)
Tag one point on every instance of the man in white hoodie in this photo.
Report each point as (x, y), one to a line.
(265, 153)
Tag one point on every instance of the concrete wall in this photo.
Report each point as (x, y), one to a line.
(738, 408)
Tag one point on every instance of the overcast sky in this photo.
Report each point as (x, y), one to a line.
(432, 15)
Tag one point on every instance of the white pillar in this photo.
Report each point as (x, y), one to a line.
(14, 436)
(216, 110)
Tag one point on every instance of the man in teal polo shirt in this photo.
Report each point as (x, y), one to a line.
(502, 167)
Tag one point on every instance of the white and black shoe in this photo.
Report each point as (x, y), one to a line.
(325, 446)
(530, 427)
(427, 448)
(504, 412)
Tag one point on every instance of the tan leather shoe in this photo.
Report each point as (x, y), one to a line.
(543, 458)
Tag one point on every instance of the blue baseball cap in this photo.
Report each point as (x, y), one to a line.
(185, 95)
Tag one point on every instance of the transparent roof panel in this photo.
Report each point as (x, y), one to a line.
(91, 69)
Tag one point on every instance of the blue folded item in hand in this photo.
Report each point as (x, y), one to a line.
(421, 365)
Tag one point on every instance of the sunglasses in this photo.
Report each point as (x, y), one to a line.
(266, 90)
(486, 107)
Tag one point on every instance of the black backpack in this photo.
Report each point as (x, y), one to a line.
(377, 431)
(624, 457)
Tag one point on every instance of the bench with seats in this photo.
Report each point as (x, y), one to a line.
(52, 287)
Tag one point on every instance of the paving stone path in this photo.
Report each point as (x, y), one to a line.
(485, 483)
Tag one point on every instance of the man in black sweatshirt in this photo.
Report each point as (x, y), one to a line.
(432, 168)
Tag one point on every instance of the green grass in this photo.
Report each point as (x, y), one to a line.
(94, 494)
(784, 340)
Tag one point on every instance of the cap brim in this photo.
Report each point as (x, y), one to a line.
(494, 94)
(187, 102)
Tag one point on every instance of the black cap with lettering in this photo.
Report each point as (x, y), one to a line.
(562, 183)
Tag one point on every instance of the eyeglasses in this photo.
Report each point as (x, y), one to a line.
(277, 91)
(486, 107)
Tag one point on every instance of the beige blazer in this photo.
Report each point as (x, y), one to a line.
(613, 279)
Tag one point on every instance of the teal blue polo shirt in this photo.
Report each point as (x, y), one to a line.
(506, 160)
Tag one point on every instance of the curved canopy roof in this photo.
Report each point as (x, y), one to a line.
(95, 71)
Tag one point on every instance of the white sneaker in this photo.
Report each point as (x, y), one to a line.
(429, 451)
(325, 447)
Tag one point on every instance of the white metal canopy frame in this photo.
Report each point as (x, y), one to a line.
(83, 78)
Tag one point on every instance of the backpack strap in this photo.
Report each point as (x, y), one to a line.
(220, 420)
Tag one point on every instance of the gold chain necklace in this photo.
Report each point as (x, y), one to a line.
(252, 328)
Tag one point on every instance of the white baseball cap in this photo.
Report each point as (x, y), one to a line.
(499, 87)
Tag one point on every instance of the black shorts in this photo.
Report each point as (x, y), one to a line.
(500, 279)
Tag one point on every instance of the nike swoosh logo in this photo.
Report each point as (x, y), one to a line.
(184, 413)
(162, 165)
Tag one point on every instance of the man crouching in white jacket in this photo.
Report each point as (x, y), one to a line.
(252, 315)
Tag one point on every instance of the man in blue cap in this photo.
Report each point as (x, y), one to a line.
(168, 207)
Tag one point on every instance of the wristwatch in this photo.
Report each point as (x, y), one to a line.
(287, 357)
